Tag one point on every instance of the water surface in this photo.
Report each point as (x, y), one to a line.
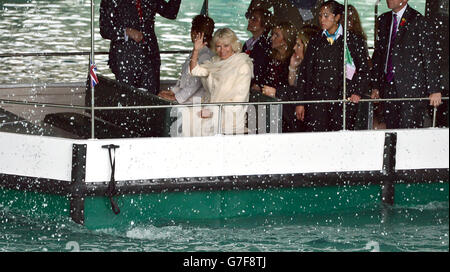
(34, 26)
(31, 26)
(398, 229)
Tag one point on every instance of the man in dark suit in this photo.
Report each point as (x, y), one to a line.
(134, 53)
(405, 65)
(259, 46)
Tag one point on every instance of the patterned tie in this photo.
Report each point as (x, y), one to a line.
(332, 37)
(141, 15)
(139, 9)
(389, 70)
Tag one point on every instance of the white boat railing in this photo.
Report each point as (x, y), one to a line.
(331, 101)
(221, 105)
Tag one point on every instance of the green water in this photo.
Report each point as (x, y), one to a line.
(63, 26)
(303, 220)
(418, 228)
(33, 26)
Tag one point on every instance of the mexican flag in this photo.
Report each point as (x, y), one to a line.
(349, 64)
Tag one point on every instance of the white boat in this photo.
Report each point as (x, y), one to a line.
(129, 173)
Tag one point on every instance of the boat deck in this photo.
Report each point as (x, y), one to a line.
(29, 106)
(28, 117)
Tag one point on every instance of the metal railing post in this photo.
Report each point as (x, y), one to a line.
(370, 116)
(434, 116)
(344, 90)
(92, 63)
(219, 128)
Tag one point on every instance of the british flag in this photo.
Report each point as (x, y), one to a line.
(93, 74)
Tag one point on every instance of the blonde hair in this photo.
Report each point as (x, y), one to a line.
(356, 26)
(289, 33)
(227, 36)
(306, 33)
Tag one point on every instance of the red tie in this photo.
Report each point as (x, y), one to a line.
(139, 9)
(141, 17)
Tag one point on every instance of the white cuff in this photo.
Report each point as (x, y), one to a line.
(125, 34)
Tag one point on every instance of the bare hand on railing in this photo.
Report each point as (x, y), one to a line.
(168, 94)
(136, 35)
(300, 112)
(269, 91)
(354, 98)
(435, 99)
(205, 113)
(256, 87)
(375, 94)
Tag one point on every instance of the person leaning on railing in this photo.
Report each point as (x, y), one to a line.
(258, 47)
(322, 78)
(296, 69)
(283, 42)
(188, 87)
(226, 77)
(405, 65)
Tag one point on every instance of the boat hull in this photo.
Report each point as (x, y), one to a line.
(211, 205)
(103, 183)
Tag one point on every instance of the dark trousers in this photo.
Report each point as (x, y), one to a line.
(328, 116)
(134, 65)
(140, 74)
(290, 121)
(402, 114)
(323, 117)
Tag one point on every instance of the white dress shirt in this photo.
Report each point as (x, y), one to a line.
(399, 18)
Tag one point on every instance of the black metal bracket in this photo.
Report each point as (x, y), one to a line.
(111, 191)
(77, 189)
(390, 150)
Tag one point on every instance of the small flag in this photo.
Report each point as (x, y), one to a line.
(349, 64)
(93, 74)
(204, 10)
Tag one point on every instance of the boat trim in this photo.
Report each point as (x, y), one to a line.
(77, 189)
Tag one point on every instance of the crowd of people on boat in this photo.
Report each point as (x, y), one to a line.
(283, 61)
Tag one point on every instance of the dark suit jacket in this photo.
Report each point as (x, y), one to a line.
(321, 72)
(260, 54)
(414, 55)
(116, 15)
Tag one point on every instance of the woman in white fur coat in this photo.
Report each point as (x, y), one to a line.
(226, 78)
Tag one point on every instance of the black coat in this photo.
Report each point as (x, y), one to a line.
(321, 71)
(415, 58)
(126, 57)
(260, 54)
(320, 77)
